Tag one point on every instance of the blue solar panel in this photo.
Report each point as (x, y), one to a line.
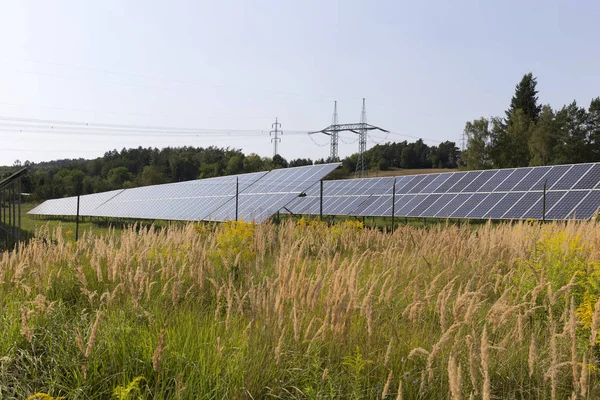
(514, 178)
(424, 205)
(463, 183)
(571, 177)
(452, 205)
(413, 182)
(495, 180)
(588, 207)
(438, 205)
(524, 204)
(590, 179)
(469, 205)
(478, 182)
(536, 211)
(498, 211)
(533, 181)
(439, 180)
(555, 174)
(484, 208)
(425, 181)
(565, 206)
(448, 183)
(407, 203)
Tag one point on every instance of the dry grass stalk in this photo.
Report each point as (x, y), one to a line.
(485, 365)
(533, 354)
(399, 396)
(93, 334)
(573, 334)
(388, 351)
(472, 362)
(437, 347)
(595, 321)
(455, 378)
(26, 329)
(159, 350)
(584, 380)
(386, 388)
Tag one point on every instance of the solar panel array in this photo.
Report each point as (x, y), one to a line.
(261, 195)
(572, 191)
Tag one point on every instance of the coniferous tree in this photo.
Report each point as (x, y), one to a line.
(543, 138)
(526, 99)
(593, 122)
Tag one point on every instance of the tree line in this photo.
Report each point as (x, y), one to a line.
(531, 134)
(150, 166)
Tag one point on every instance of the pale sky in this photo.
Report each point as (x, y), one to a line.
(425, 69)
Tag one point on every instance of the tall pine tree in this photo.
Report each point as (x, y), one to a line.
(526, 99)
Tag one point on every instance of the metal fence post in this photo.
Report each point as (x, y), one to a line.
(237, 197)
(393, 204)
(77, 221)
(321, 201)
(544, 203)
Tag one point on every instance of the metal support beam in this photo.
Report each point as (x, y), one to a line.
(321, 200)
(393, 204)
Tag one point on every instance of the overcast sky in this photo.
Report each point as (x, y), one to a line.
(425, 69)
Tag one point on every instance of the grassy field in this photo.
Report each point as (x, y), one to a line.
(302, 310)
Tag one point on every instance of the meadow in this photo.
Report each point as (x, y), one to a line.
(303, 310)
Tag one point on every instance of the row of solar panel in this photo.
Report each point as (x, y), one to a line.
(560, 205)
(515, 193)
(261, 195)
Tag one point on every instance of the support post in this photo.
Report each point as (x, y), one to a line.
(393, 204)
(19, 218)
(321, 200)
(77, 221)
(544, 203)
(237, 197)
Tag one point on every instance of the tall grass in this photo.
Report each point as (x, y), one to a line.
(304, 311)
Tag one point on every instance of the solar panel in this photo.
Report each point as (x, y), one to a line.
(565, 206)
(482, 178)
(571, 177)
(590, 179)
(482, 210)
(271, 193)
(495, 180)
(536, 211)
(183, 201)
(68, 205)
(498, 194)
(513, 179)
(465, 208)
(437, 205)
(448, 183)
(521, 206)
(532, 180)
(452, 205)
(587, 207)
(423, 205)
(261, 194)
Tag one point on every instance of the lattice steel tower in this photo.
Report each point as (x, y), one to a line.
(275, 133)
(361, 165)
(361, 129)
(333, 154)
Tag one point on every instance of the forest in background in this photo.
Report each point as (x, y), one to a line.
(528, 135)
(150, 166)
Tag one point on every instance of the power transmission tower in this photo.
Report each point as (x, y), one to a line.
(361, 165)
(275, 133)
(362, 128)
(333, 154)
(463, 140)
